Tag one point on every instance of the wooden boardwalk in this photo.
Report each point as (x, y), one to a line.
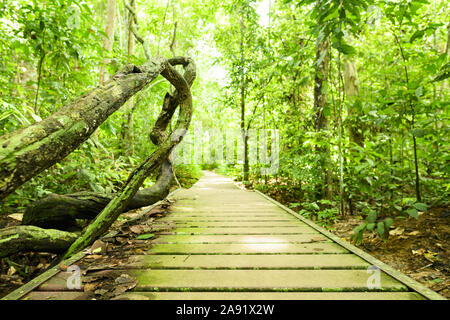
(228, 243)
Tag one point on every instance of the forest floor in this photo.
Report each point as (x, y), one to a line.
(128, 236)
(419, 248)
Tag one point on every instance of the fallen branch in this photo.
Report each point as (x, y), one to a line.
(61, 211)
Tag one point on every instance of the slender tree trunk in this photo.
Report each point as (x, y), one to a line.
(416, 164)
(242, 102)
(174, 34)
(131, 42)
(413, 114)
(128, 137)
(320, 104)
(352, 96)
(244, 135)
(39, 78)
(341, 101)
(109, 39)
(447, 45)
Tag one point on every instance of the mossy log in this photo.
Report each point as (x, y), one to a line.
(61, 211)
(31, 238)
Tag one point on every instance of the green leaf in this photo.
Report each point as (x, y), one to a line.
(358, 233)
(417, 132)
(145, 236)
(388, 223)
(413, 213)
(344, 48)
(416, 35)
(443, 74)
(380, 229)
(333, 14)
(97, 250)
(370, 226)
(359, 238)
(420, 206)
(372, 216)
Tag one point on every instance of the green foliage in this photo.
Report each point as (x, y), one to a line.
(400, 107)
(323, 211)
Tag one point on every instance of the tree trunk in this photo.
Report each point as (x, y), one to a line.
(29, 151)
(242, 102)
(109, 39)
(320, 85)
(352, 92)
(320, 104)
(128, 139)
(30, 238)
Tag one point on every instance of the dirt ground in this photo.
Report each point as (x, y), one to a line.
(419, 248)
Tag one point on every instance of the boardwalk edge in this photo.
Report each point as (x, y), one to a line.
(406, 280)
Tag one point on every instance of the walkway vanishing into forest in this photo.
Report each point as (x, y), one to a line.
(228, 243)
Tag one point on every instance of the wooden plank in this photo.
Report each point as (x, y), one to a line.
(243, 218)
(249, 248)
(259, 280)
(222, 212)
(271, 296)
(248, 231)
(230, 215)
(229, 224)
(225, 207)
(263, 261)
(58, 283)
(286, 238)
(55, 295)
(233, 202)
